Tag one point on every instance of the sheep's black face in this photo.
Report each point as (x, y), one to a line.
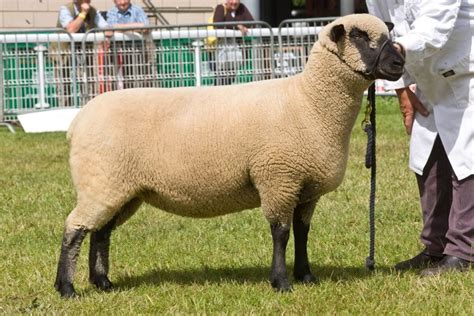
(383, 61)
(362, 42)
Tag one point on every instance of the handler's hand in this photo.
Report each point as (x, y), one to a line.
(409, 105)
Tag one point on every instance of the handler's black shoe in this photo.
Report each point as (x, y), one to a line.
(421, 260)
(448, 264)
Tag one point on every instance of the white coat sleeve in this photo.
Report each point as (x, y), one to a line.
(430, 30)
(392, 11)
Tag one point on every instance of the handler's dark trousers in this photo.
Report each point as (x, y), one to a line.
(448, 207)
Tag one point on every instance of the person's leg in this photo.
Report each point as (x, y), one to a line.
(435, 189)
(460, 235)
(459, 251)
(435, 198)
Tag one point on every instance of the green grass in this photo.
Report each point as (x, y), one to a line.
(161, 263)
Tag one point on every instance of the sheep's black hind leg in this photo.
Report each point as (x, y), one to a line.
(301, 224)
(70, 248)
(279, 276)
(99, 256)
(100, 244)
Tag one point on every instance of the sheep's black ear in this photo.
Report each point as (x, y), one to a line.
(390, 26)
(337, 32)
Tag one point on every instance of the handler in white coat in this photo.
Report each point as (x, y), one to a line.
(437, 39)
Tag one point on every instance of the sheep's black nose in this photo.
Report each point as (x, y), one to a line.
(391, 65)
(398, 62)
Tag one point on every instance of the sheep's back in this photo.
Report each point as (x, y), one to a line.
(181, 149)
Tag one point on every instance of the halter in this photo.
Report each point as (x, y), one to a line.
(370, 74)
(376, 61)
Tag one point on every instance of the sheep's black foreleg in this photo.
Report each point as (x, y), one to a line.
(279, 277)
(301, 225)
(99, 257)
(70, 248)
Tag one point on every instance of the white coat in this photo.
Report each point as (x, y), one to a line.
(438, 39)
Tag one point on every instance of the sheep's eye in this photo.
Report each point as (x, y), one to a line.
(359, 35)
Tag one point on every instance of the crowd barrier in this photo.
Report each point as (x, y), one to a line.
(179, 56)
(50, 68)
(295, 40)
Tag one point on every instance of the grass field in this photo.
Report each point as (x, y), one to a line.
(161, 263)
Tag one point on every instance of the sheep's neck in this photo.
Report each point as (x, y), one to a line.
(333, 92)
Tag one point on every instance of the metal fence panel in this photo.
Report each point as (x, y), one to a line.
(296, 38)
(29, 71)
(174, 56)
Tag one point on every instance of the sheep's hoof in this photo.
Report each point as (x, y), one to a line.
(65, 290)
(306, 279)
(282, 286)
(102, 283)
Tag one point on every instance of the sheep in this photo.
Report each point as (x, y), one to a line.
(203, 152)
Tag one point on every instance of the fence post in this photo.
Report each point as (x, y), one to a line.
(41, 78)
(74, 72)
(197, 61)
(2, 101)
(2, 84)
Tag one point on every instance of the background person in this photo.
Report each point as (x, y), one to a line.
(436, 38)
(229, 55)
(78, 16)
(126, 14)
(135, 67)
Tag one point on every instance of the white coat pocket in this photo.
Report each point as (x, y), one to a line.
(460, 78)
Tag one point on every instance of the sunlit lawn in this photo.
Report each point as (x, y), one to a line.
(161, 263)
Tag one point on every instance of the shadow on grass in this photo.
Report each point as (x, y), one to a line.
(240, 275)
